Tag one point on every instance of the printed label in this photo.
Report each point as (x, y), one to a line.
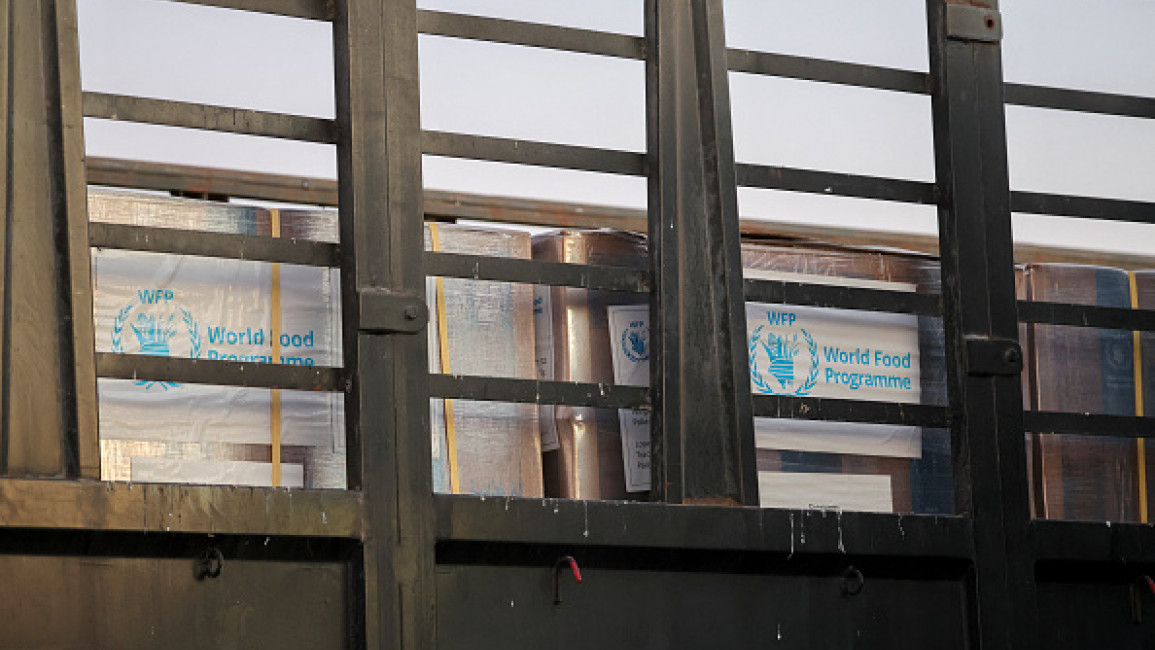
(629, 328)
(817, 491)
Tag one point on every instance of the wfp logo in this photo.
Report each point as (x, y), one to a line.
(778, 363)
(158, 327)
(636, 342)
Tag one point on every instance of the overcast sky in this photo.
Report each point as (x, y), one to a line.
(174, 51)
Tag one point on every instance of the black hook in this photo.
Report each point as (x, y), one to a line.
(852, 581)
(577, 575)
(209, 564)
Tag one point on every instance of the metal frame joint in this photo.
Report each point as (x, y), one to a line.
(971, 23)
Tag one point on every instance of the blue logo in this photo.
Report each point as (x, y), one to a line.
(778, 363)
(636, 342)
(158, 327)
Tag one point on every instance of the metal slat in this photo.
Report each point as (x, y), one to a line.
(530, 391)
(513, 32)
(1083, 206)
(219, 373)
(821, 295)
(310, 9)
(1080, 100)
(835, 184)
(659, 526)
(845, 410)
(504, 269)
(1118, 544)
(1087, 316)
(212, 244)
(211, 118)
(835, 72)
(1089, 424)
(526, 152)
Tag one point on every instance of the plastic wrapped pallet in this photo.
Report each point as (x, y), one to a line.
(1082, 370)
(583, 456)
(206, 308)
(847, 354)
(481, 328)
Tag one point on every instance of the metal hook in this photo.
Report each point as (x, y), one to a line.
(577, 575)
(852, 581)
(209, 564)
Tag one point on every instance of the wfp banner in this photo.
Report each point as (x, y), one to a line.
(214, 309)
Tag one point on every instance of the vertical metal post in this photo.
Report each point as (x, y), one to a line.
(382, 239)
(980, 312)
(704, 439)
(48, 383)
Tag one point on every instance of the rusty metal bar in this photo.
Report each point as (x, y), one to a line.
(310, 9)
(513, 32)
(189, 115)
(526, 152)
(220, 373)
(213, 244)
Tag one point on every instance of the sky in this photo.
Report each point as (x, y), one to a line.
(202, 54)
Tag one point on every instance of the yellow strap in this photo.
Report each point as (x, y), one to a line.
(275, 335)
(1140, 443)
(443, 354)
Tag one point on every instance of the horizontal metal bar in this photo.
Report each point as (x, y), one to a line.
(154, 508)
(1083, 206)
(1119, 318)
(530, 391)
(1113, 543)
(781, 292)
(655, 525)
(845, 410)
(188, 115)
(505, 269)
(213, 244)
(526, 152)
(1079, 100)
(219, 373)
(835, 72)
(311, 9)
(513, 32)
(1089, 424)
(835, 184)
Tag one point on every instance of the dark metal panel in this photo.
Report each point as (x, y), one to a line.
(835, 184)
(1095, 606)
(212, 244)
(311, 9)
(820, 295)
(513, 607)
(217, 372)
(1083, 206)
(979, 301)
(704, 438)
(515, 32)
(1087, 316)
(658, 526)
(1080, 100)
(179, 509)
(71, 207)
(504, 269)
(532, 391)
(527, 152)
(1100, 542)
(845, 410)
(212, 118)
(126, 602)
(835, 72)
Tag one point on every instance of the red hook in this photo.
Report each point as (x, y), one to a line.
(577, 575)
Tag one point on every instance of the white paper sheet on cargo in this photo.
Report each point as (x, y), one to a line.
(821, 491)
(214, 472)
(839, 353)
(629, 329)
(544, 361)
(183, 306)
